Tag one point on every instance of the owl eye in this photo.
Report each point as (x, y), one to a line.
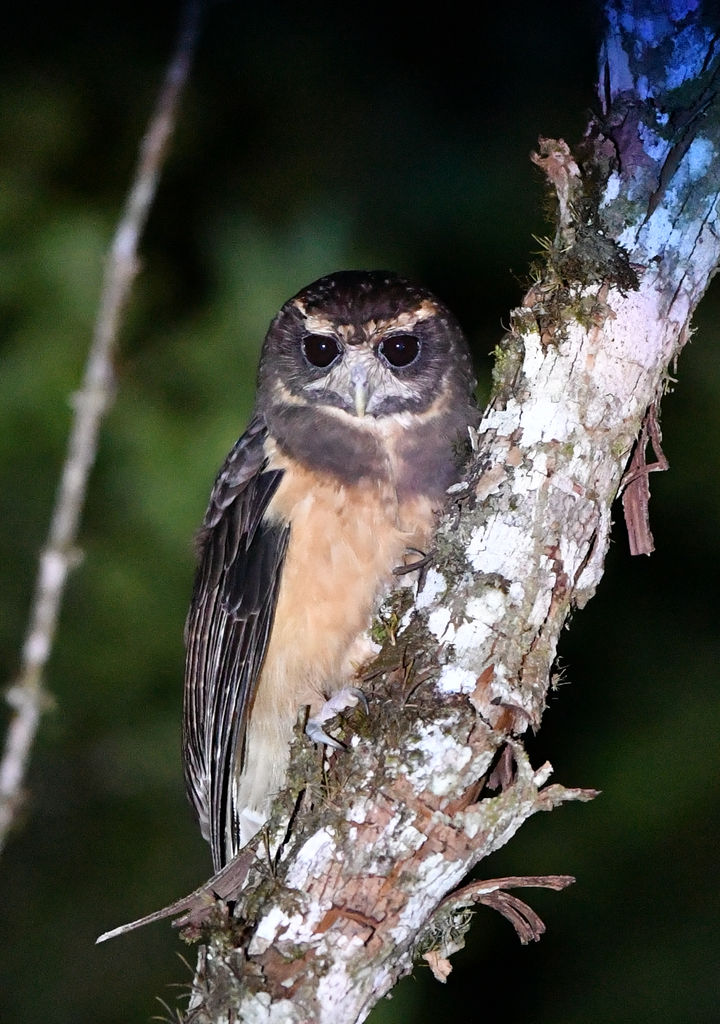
(320, 350)
(399, 349)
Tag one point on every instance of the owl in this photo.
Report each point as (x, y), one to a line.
(365, 393)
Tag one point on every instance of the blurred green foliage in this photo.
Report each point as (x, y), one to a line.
(313, 139)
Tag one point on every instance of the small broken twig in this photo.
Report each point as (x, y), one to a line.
(197, 910)
(491, 892)
(635, 485)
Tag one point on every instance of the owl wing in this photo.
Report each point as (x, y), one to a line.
(227, 630)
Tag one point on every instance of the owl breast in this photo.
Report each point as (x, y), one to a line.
(345, 541)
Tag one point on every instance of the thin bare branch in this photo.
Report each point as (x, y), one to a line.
(27, 696)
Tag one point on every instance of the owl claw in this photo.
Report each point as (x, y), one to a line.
(349, 697)
(419, 563)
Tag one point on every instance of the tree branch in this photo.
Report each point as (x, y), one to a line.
(27, 696)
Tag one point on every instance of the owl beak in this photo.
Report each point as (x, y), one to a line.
(360, 388)
(360, 395)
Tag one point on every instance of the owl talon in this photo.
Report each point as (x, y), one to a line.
(349, 697)
(318, 735)
(420, 563)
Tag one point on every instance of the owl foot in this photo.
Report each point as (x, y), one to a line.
(349, 697)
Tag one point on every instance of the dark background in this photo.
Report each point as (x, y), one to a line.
(313, 139)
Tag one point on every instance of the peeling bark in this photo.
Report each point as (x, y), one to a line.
(337, 905)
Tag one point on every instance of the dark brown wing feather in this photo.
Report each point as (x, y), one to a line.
(227, 629)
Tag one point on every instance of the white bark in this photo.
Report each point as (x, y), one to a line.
(437, 777)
